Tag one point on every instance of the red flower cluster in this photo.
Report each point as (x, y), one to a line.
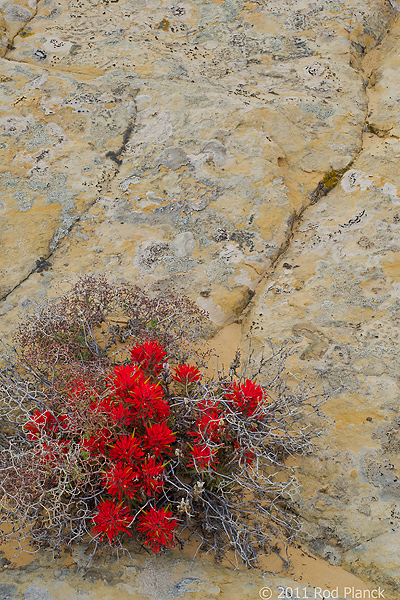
(246, 397)
(146, 402)
(126, 427)
(127, 449)
(124, 379)
(157, 526)
(203, 457)
(186, 374)
(43, 424)
(111, 520)
(211, 433)
(151, 477)
(150, 356)
(137, 408)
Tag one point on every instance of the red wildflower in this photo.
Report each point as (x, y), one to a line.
(157, 439)
(247, 396)
(186, 374)
(121, 415)
(124, 379)
(203, 456)
(147, 401)
(96, 444)
(111, 520)
(151, 477)
(127, 449)
(121, 480)
(157, 525)
(40, 424)
(211, 422)
(149, 355)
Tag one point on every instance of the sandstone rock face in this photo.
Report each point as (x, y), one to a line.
(185, 146)
(163, 577)
(173, 144)
(336, 290)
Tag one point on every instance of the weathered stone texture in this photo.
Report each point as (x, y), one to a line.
(163, 577)
(127, 125)
(336, 291)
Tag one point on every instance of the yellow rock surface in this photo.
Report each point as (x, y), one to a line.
(336, 292)
(173, 144)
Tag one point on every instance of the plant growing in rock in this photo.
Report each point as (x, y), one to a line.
(111, 434)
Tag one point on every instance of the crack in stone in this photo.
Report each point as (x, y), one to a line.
(10, 44)
(381, 133)
(324, 187)
(327, 184)
(116, 156)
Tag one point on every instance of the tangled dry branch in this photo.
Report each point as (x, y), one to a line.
(225, 477)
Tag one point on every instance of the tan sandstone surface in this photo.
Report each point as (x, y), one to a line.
(173, 144)
(185, 146)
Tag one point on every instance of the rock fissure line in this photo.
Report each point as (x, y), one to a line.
(324, 187)
(41, 265)
(10, 42)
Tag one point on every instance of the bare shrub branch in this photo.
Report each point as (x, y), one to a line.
(240, 504)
